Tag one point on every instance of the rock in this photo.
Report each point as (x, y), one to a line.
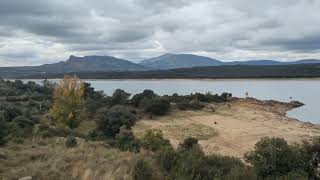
(26, 178)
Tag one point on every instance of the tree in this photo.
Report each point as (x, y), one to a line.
(156, 105)
(94, 99)
(110, 120)
(273, 157)
(69, 105)
(120, 97)
(137, 98)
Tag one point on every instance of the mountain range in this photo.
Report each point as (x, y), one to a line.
(174, 61)
(112, 64)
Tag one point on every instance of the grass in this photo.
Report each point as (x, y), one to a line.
(177, 125)
(53, 161)
(183, 131)
(86, 126)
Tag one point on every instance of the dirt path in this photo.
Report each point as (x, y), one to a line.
(233, 128)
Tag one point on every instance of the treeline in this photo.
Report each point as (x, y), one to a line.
(232, 71)
(63, 107)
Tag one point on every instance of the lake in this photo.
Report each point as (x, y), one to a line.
(303, 90)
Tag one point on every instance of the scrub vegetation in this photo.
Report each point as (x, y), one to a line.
(70, 131)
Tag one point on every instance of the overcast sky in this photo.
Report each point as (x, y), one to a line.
(35, 32)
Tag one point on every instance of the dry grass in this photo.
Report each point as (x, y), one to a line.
(53, 161)
(178, 126)
(86, 126)
(183, 131)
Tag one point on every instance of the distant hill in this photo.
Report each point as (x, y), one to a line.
(173, 61)
(76, 64)
(228, 71)
(93, 64)
(255, 62)
(272, 62)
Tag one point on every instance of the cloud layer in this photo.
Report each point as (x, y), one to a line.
(36, 31)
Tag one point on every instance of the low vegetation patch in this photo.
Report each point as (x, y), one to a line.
(183, 131)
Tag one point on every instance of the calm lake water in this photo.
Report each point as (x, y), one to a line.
(303, 90)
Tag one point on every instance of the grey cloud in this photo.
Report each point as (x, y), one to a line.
(56, 29)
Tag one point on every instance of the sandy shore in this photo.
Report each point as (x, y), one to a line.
(232, 128)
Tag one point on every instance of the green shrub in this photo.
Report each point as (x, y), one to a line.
(4, 130)
(10, 111)
(95, 135)
(225, 96)
(209, 97)
(16, 98)
(71, 142)
(142, 170)
(193, 164)
(153, 140)
(156, 105)
(274, 157)
(188, 143)
(301, 175)
(189, 105)
(46, 131)
(313, 152)
(21, 126)
(126, 140)
(168, 159)
(94, 99)
(137, 98)
(110, 120)
(120, 97)
(18, 140)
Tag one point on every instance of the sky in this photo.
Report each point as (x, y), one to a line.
(34, 32)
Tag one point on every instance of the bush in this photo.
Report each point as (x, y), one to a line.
(94, 99)
(45, 131)
(209, 97)
(142, 170)
(188, 143)
(110, 120)
(21, 126)
(120, 97)
(313, 151)
(10, 111)
(71, 142)
(95, 135)
(274, 157)
(193, 164)
(189, 105)
(157, 105)
(18, 140)
(168, 159)
(153, 140)
(126, 140)
(137, 98)
(4, 130)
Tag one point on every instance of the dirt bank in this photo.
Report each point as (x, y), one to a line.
(234, 127)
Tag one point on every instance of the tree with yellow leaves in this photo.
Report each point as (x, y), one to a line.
(69, 104)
